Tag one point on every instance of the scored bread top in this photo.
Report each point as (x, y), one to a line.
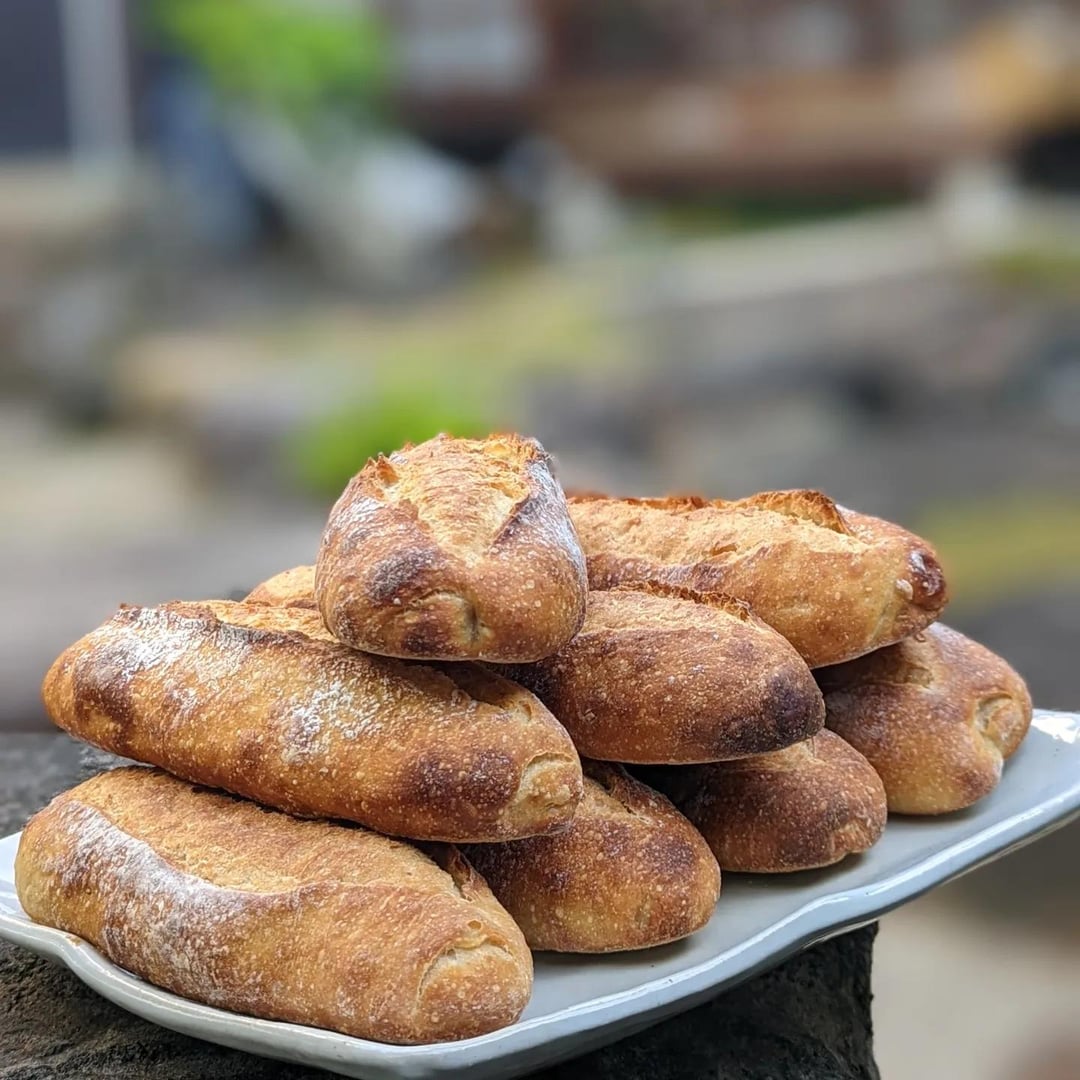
(433, 478)
(265, 702)
(453, 549)
(290, 588)
(664, 675)
(936, 714)
(308, 921)
(653, 605)
(835, 583)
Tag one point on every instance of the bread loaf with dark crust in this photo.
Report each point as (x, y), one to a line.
(629, 872)
(250, 910)
(290, 588)
(835, 583)
(936, 715)
(663, 675)
(806, 806)
(263, 702)
(453, 549)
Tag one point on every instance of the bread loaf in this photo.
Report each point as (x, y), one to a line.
(629, 872)
(665, 675)
(263, 702)
(290, 588)
(936, 715)
(835, 583)
(453, 549)
(249, 910)
(806, 806)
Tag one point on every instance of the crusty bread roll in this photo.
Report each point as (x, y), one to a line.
(454, 549)
(253, 911)
(835, 583)
(936, 715)
(629, 872)
(290, 588)
(667, 676)
(806, 806)
(263, 702)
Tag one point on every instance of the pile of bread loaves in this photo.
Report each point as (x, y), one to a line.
(466, 634)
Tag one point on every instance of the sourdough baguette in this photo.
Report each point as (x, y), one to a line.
(835, 583)
(253, 911)
(290, 588)
(667, 676)
(806, 806)
(936, 715)
(453, 549)
(263, 702)
(629, 872)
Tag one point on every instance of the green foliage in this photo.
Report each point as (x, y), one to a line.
(1037, 268)
(691, 218)
(324, 455)
(1004, 546)
(287, 55)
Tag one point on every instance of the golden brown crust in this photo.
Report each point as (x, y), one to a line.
(936, 715)
(628, 873)
(835, 583)
(807, 806)
(262, 701)
(661, 675)
(250, 910)
(453, 549)
(290, 588)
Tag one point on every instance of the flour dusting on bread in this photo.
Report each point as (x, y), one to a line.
(453, 549)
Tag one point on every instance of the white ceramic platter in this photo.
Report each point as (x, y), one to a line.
(580, 1003)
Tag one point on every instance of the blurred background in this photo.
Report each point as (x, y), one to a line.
(690, 245)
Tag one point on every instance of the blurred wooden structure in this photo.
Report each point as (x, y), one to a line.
(746, 94)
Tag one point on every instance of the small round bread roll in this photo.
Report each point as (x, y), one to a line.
(806, 806)
(936, 715)
(662, 675)
(629, 872)
(455, 549)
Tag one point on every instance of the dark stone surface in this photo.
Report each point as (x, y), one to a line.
(808, 1019)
